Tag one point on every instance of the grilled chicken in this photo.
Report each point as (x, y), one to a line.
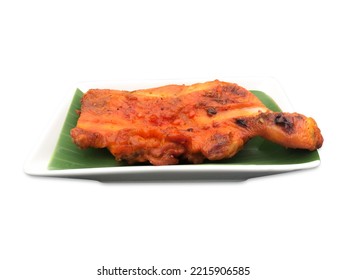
(173, 123)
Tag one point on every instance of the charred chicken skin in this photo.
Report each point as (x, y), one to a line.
(173, 123)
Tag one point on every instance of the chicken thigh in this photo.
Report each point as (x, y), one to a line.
(180, 123)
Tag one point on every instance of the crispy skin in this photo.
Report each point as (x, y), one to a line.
(168, 124)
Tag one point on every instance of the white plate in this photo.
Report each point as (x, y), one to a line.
(37, 162)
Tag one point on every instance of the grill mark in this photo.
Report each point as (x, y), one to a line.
(211, 111)
(241, 122)
(284, 122)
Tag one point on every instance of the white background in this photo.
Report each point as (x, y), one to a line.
(290, 226)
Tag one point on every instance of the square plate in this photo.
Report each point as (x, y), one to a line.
(56, 155)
